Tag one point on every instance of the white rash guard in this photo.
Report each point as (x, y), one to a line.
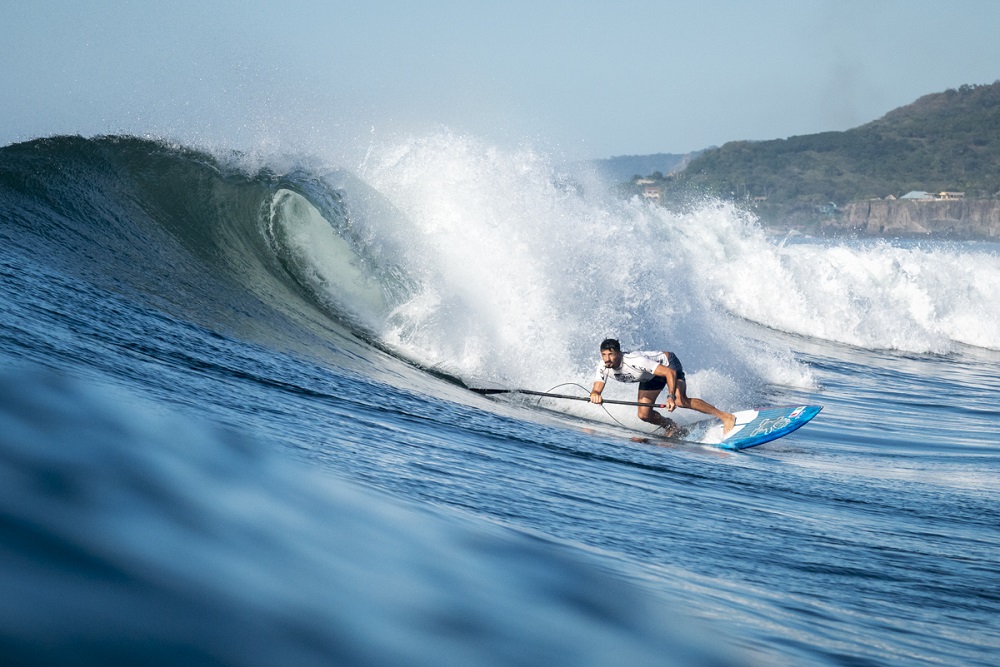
(635, 367)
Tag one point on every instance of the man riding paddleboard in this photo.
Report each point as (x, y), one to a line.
(653, 371)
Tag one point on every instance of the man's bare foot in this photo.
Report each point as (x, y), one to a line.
(728, 422)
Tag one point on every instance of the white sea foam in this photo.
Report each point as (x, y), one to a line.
(875, 295)
(523, 270)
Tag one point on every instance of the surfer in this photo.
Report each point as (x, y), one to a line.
(653, 371)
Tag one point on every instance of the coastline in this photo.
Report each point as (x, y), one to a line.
(961, 219)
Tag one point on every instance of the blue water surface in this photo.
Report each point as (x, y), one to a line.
(191, 476)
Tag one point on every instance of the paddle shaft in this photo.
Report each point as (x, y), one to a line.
(565, 396)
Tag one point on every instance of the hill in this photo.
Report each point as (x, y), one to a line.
(946, 141)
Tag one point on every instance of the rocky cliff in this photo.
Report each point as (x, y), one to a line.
(963, 218)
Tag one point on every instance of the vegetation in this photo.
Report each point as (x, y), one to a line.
(947, 141)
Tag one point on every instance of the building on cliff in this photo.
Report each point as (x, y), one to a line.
(918, 195)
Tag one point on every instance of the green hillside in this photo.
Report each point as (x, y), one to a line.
(947, 141)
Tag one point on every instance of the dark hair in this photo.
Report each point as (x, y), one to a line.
(611, 344)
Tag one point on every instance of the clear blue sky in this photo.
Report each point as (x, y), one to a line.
(582, 79)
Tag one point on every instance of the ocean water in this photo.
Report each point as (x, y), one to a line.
(234, 427)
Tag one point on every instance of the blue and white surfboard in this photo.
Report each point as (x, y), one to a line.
(753, 427)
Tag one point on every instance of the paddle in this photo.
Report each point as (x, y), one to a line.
(565, 396)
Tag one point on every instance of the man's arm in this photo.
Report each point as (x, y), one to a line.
(595, 393)
(671, 375)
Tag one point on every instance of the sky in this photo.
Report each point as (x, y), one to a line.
(581, 79)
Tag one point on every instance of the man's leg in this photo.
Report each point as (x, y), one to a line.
(650, 415)
(682, 400)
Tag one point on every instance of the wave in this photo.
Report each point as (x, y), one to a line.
(488, 265)
(201, 237)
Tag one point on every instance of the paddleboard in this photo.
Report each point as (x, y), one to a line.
(753, 427)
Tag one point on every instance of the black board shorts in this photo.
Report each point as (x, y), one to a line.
(659, 382)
